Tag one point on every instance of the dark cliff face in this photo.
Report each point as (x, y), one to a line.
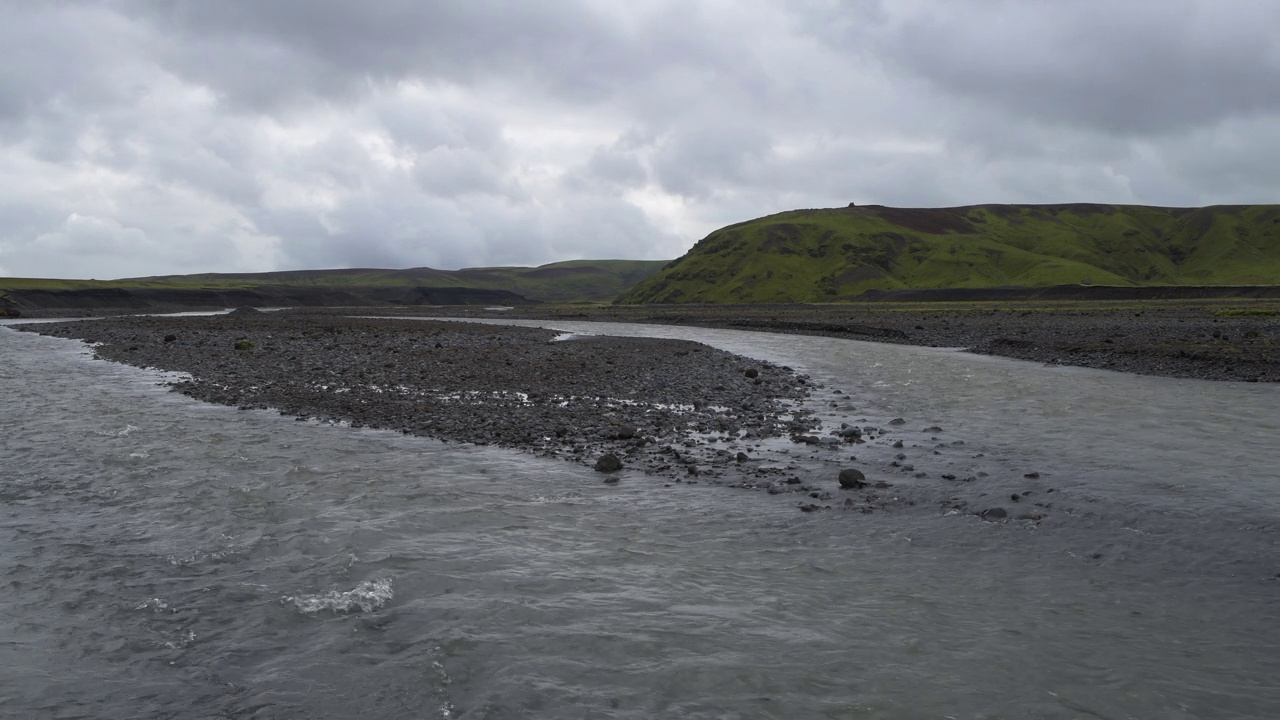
(265, 296)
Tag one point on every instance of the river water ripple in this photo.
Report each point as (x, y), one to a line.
(164, 558)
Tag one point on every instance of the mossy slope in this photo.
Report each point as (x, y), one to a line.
(836, 254)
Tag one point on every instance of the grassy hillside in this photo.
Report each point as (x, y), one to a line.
(836, 254)
(574, 280)
(577, 280)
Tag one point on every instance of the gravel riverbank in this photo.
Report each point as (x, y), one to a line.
(1232, 340)
(678, 409)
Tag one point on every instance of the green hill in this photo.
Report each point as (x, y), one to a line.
(837, 254)
(571, 281)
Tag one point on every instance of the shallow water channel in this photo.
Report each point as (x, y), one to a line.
(160, 557)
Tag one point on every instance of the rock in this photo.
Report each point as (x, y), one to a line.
(995, 513)
(897, 421)
(608, 463)
(170, 337)
(1031, 475)
(932, 429)
(851, 479)
(625, 432)
(752, 373)
(611, 480)
(742, 457)
(898, 444)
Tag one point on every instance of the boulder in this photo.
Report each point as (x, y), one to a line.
(608, 463)
(851, 479)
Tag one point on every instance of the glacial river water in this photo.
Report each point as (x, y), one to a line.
(160, 557)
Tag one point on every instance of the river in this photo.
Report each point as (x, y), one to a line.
(165, 558)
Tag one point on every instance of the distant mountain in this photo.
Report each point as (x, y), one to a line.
(570, 281)
(573, 281)
(837, 254)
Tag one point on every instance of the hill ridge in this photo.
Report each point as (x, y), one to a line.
(835, 254)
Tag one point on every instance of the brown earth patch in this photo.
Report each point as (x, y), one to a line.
(930, 221)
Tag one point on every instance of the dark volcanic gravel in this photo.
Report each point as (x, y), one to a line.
(681, 411)
(659, 405)
(1235, 340)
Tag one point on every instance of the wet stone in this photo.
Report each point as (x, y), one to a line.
(851, 479)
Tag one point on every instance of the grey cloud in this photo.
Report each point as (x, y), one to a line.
(612, 169)
(183, 135)
(697, 160)
(1131, 68)
(263, 54)
(449, 173)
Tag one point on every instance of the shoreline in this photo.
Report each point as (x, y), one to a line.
(1222, 339)
(677, 409)
(1233, 341)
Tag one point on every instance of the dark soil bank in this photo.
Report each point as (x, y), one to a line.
(1219, 340)
(656, 405)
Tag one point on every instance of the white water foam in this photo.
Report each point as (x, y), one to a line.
(155, 604)
(365, 597)
(117, 433)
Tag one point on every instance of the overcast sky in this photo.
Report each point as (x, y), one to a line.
(142, 137)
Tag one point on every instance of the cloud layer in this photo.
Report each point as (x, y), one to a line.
(144, 137)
